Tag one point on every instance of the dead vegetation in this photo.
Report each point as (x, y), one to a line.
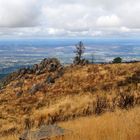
(77, 91)
(118, 125)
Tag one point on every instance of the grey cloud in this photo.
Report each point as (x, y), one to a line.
(50, 18)
(19, 13)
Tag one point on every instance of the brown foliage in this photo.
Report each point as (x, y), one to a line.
(79, 91)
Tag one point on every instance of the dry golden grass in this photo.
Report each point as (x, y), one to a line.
(119, 125)
(81, 91)
(15, 137)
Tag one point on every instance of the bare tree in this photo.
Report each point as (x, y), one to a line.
(80, 49)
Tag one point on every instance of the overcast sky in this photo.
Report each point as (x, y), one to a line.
(69, 18)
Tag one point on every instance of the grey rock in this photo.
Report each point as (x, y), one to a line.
(35, 88)
(18, 84)
(44, 132)
(49, 80)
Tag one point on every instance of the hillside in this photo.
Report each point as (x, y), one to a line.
(48, 93)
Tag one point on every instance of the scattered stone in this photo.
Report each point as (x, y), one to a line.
(18, 84)
(45, 132)
(38, 72)
(19, 94)
(60, 72)
(35, 88)
(51, 65)
(49, 80)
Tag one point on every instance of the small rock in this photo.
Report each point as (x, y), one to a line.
(35, 88)
(18, 84)
(38, 72)
(49, 80)
(19, 94)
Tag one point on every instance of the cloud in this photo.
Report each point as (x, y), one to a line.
(71, 18)
(125, 29)
(108, 21)
(129, 13)
(19, 13)
(64, 17)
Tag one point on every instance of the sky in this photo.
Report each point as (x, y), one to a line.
(69, 18)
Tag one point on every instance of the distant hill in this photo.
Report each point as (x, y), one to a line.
(3, 75)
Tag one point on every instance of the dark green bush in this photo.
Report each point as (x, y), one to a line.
(117, 60)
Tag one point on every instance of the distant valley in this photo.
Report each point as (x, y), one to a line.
(15, 54)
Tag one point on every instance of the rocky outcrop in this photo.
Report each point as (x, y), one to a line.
(50, 65)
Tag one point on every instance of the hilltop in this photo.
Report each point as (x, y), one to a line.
(49, 93)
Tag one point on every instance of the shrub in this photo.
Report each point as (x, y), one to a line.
(117, 60)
